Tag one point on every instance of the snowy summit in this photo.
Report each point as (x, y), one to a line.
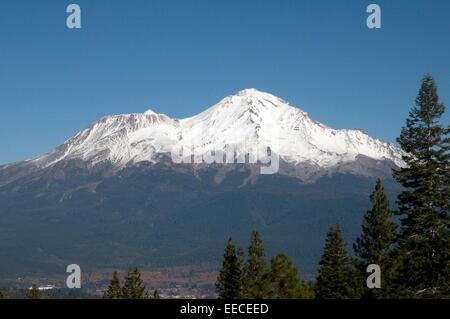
(250, 117)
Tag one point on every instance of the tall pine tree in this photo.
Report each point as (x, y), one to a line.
(134, 288)
(256, 269)
(229, 282)
(424, 241)
(336, 274)
(114, 290)
(375, 244)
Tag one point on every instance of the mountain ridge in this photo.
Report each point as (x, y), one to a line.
(247, 119)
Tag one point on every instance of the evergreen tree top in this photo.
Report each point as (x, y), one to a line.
(114, 290)
(378, 232)
(424, 239)
(336, 272)
(229, 282)
(134, 287)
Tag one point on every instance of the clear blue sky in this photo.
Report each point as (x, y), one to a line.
(180, 57)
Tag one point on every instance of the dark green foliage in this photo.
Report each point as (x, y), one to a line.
(283, 279)
(34, 293)
(336, 275)
(242, 265)
(114, 290)
(133, 287)
(256, 269)
(424, 240)
(307, 290)
(229, 283)
(1, 294)
(375, 244)
(252, 279)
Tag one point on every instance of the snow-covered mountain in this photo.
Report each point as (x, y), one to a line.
(250, 117)
(306, 148)
(110, 196)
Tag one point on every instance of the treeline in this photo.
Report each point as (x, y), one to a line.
(252, 278)
(413, 257)
(132, 288)
(344, 276)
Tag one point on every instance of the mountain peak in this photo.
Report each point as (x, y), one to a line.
(150, 112)
(254, 93)
(250, 91)
(250, 117)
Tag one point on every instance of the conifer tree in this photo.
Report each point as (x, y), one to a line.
(156, 294)
(375, 244)
(133, 287)
(242, 266)
(283, 278)
(424, 240)
(114, 290)
(1, 294)
(229, 283)
(256, 269)
(336, 274)
(34, 293)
